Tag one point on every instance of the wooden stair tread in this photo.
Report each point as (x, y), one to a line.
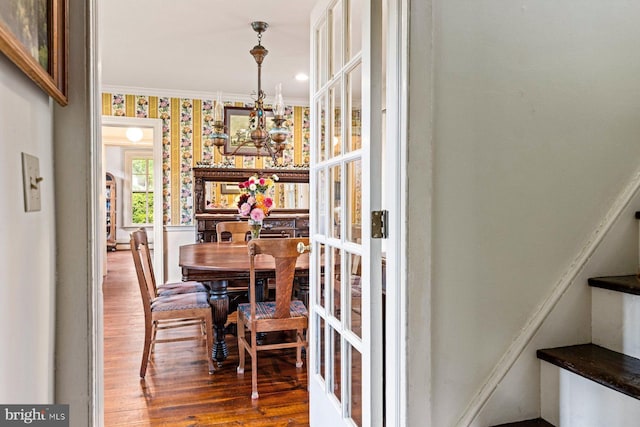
(606, 367)
(538, 422)
(629, 284)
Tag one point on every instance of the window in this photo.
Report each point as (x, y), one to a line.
(138, 207)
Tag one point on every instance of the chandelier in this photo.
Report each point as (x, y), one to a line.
(267, 142)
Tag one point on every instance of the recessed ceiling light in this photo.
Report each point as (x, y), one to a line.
(134, 134)
(302, 77)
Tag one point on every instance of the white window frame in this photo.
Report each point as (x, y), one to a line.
(127, 193)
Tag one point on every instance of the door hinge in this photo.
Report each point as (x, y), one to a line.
(379, 224)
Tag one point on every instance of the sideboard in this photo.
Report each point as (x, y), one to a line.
(214, 193)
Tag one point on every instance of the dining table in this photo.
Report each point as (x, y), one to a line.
(217, 264)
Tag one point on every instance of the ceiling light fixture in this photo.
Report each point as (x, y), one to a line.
(134, 134)
(272, 142)
(302, 77)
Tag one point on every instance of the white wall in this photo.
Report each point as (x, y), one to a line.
(27, 251)
(535, 131)
(176, 236)
(419, 226)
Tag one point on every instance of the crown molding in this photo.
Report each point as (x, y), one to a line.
(172, 93)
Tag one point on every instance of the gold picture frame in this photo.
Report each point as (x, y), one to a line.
(236, 122)
(34, 36)
(229, 188)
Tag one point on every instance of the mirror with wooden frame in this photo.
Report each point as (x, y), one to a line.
(216, 189)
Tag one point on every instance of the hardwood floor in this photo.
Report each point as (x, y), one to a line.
(178, 390)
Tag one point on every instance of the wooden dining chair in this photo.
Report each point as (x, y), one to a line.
(237, 229)
(283, 314)
(169, 312)
(165, 289)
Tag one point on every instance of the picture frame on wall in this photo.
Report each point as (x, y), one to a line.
(237, 123)
(229, 188)
(34, 36)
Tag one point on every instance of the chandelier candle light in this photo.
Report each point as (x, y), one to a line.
(255, 201)
(271, 142)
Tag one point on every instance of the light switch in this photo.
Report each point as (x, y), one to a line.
(31, 180)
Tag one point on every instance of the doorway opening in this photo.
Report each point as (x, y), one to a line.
(135, 162)
(397, 358)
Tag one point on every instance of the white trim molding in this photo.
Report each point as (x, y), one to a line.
(172, 93)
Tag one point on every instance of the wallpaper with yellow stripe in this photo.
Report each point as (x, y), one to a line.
(186, 128)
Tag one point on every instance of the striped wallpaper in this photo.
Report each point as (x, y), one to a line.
(186, 128)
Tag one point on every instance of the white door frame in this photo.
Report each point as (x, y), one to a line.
(395, 200)
(158, 226)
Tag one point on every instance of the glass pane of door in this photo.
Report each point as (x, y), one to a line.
(354, 107)
(355, 390)
(335, 283)
(322, 129)
(336, 37)
(321, 201)
(335, 99)
(354, 28)
(354, 294)
(321, 350)
(321, 48)
(336, 201)
(320, 279)
(336, 365)
(353, 202)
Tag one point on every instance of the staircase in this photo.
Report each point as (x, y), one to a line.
(538, 422)
(596, 384)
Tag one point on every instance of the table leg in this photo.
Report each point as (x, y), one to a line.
(219, 300)
(303, 289)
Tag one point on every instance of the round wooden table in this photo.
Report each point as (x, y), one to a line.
(215, 264)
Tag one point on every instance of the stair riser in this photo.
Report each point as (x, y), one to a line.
(569, 400)
(615, 321)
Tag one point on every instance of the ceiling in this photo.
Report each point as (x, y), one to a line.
(203, 45)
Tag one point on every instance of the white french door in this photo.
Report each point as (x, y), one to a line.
(345, 371)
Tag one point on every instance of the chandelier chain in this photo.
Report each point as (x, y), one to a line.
(272, 141)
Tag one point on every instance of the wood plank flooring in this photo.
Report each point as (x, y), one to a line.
(178, 390)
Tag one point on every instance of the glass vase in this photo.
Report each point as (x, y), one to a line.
(255, 226)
